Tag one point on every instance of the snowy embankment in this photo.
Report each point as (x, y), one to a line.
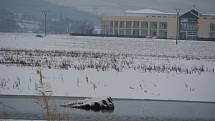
(117, 67)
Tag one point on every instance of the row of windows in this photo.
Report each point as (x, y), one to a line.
(156, 16)
(144, 28)
(188, 20)
(188, 35)
(136, 24)
(137, 32)
(192, 33)
(189, 27)
(136, 28)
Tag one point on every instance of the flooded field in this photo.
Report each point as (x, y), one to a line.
(30, 108)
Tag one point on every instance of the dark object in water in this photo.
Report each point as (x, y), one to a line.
(95, 104)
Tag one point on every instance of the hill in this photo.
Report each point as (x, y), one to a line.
(26, 16)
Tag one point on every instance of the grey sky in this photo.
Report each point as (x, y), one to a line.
(118, 6)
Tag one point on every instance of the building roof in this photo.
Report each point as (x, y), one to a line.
(191, 14)
(147, 11)
(208, 14)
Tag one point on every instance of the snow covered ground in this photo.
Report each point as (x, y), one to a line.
(118, 67)
(141, 46)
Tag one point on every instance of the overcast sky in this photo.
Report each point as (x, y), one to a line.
(119, 6)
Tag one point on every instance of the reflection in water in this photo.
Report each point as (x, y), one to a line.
(125, 110)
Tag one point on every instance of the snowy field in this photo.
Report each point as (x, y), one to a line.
(134, 68)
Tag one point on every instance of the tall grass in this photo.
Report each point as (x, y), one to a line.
(50, 111)
(77, 60)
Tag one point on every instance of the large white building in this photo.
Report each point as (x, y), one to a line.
(153, 23)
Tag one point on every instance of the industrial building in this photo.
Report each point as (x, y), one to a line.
(156, 24)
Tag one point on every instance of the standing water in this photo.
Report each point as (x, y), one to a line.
(30, 108)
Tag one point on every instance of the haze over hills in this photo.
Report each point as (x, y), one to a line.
(35, 8)
(26, 16)
(112, 7)
(79, 9)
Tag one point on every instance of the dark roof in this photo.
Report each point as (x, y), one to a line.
(191, 14)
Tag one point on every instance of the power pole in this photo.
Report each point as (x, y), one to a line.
(45, 22)
(69, 29)
(177, 28)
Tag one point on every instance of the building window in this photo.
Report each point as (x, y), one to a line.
(144, 25)
(111, 27)
(192, 20)
(192, 33)
(121, 32)
(163, 30)
(212, 27)
(184, 20)
(108, 27)
(136, 24)
(212, 30)
(153, 25)
(183, 26)
(163, 25)
(144, 29)
(153, 29)
(128, 24)
(163, 34)
(189, 26)
(193, 27)
(128, 31)
(121, 24)
(136, 32)
(144, 32)
(116, 24)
